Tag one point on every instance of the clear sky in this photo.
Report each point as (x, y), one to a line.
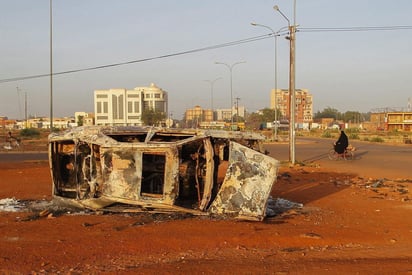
(346, 70)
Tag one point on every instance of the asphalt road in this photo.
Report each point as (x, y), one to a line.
(371, 159)
(15, 156)
(378, 160)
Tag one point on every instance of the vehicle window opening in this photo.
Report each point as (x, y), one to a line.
(192, 172)
(131, 138)
(161, 137)
(78, 169)
(153, 173)
(64, 172)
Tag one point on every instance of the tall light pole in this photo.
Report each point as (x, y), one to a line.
(212, 83)
(51, 65)
(292, 96)
(275, 35)
(230, 67)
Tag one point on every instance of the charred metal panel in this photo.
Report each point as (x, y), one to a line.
(208, 174)
(121, 177)
(247, 184)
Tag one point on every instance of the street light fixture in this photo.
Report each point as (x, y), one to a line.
(230, 67)
(275, 35)
(292, 95)
(212, 83)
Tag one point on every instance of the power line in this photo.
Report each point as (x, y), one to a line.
(352, 29)
(227, 44)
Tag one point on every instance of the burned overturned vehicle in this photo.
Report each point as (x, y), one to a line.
(136, 169)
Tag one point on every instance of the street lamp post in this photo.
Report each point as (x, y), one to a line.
(275, 35)
(230, 67)
(212, 83)
(292, 96)
(51, 66)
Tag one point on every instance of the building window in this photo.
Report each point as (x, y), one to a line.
(159, 106)
(114, 106)
(117, 107)
(136, 107)
(101, 96)
(99, 107)
(105, 107)
(130, 107)
(121, 107)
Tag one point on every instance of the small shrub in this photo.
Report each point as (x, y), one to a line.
(353, 136)
(352, 130)
(30, 132)
(377, 139)
(326, 134)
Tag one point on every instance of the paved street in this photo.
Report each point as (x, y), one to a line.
(393, 161)
(13, 156)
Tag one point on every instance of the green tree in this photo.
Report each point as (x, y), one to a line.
(151, 117)
(237, 118)
(253, 121)
(351, 116)
(328, 113)
(268, 115)
(80, 120)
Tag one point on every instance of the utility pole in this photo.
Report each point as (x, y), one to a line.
(25, 110)
(237, 109)
(292, 95)
(51, 65)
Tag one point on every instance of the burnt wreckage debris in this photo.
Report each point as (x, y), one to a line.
(136, 169)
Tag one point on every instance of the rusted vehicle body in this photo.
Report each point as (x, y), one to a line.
(162, 170)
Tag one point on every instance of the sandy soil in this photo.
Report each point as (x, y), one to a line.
(348, 225)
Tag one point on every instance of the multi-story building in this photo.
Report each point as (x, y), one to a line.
(226, 114)
(303, 101)
(125, 107)
(392, 121)
(206, 115)
(196, 115)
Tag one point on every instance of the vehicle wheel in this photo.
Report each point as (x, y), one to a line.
(349, 155)
(332, 155)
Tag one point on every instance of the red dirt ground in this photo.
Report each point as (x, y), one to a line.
(348, 225)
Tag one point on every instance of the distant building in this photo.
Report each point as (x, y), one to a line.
(226, 114)
(125, 107)
(391, 121)
(44, 122)
(196, 115)
(303, 100)
(83, 118)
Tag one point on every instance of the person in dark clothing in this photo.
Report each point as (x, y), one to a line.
(342, 143)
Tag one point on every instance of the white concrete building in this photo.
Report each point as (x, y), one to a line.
(125, 107)
(226, 114)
